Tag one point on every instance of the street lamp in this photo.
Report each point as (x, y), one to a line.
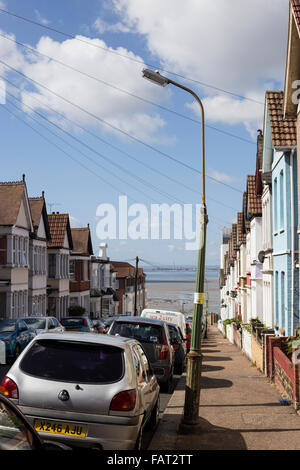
(194, 358)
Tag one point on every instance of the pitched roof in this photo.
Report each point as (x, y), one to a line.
(283, 131)
(82, 242)
(11, 194)
(254, 205)
(59, 225)
(125, 269)
(38, 209)
(296, 10)
(241, 235)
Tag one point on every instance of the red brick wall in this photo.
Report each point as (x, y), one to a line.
(272, 342)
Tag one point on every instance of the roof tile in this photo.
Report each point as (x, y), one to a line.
(283, 131)
(254, 201)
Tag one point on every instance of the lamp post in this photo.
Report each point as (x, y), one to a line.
(194, 358)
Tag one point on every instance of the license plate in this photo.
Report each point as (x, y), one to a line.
(64, 429)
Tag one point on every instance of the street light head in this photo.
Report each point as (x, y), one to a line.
(155, 77)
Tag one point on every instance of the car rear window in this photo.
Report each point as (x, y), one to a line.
(143, 332)
(74, 361)
(74, 322)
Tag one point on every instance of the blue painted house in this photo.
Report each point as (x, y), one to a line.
(280, 153)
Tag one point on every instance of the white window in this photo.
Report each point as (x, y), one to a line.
(85, 271)
(72, 270)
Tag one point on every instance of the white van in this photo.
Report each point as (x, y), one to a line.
(177, 318)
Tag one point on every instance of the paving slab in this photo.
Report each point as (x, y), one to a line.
(239, 407)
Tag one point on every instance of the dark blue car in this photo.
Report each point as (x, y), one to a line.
(16, 335)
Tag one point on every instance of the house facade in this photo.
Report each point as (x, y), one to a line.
(80, 268)
(15, 229)
(37, 281)
(104, 298)
(58, 251)
(291, 115)
(125, 279)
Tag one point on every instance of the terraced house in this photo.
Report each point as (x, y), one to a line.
(15, 229)
(58, 249)
(80, 268)
(37, 285)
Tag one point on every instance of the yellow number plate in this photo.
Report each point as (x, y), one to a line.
(65, 429)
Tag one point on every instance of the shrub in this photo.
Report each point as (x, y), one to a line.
(76, 311)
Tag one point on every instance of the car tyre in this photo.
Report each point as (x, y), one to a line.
(138, 444)
(167, 386)
(154, 418)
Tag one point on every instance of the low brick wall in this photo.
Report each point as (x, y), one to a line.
(271, 343)
(283, 373)
(229, 333)
(237, 336)
(257, 353)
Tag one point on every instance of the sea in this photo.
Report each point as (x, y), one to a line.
(174, 290)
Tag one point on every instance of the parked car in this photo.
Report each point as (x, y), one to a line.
(16, 433)
(16, 335)
(188, 335)
(155, 338)
(86, 390)
(177, 318)
(83, 324)
(44, 324)
(179, 345)
(99, 325)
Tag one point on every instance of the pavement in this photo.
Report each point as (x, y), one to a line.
(239, 407)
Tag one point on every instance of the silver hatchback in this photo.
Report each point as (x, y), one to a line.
(85, 390)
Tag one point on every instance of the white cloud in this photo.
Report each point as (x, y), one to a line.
(40, 18)
(108, 103)
(232, 111)
(102, 27)
(223, 177)
(234, 45)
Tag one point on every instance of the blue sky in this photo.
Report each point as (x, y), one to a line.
(229, 45)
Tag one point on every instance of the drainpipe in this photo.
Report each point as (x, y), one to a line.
(292, 237)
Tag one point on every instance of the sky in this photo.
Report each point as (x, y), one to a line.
(87, 128)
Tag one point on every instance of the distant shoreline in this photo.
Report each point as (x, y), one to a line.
(168, 281)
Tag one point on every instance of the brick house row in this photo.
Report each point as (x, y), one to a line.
(46, 266)
(260, 267)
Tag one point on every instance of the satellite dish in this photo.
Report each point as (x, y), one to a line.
(261, 256)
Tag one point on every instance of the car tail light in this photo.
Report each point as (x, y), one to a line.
(124, 401)
(85, 321)
(164, 352)
(9, 388)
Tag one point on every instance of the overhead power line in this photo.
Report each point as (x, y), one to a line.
(96, 136)
(126, 92)
(145, 183)
(136, 139)
(111, 51)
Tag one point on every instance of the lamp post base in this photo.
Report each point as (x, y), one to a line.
(190, 419)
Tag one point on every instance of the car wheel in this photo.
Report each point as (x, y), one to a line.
(167, 386)
(138, 444)
(180, 369)
(153, 420)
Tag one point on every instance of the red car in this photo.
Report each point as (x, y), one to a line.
(188, 327)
